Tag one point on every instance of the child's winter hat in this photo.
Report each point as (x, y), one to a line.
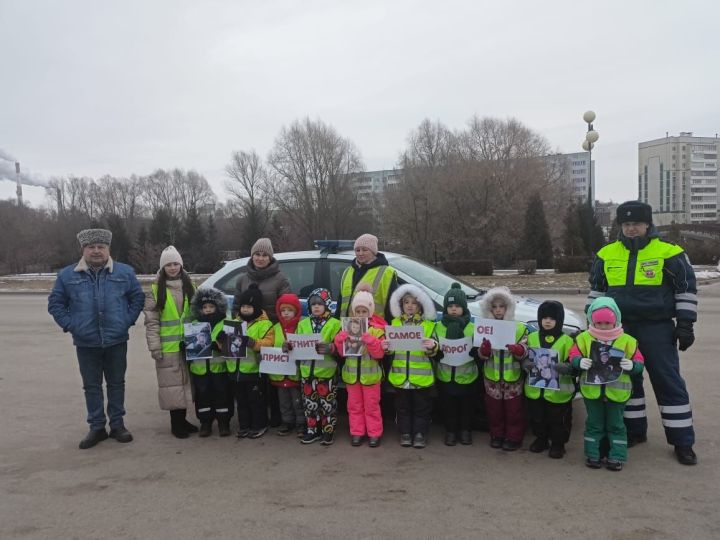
(604, 309)
(262, 245)
(170, 255)
(252, 296)
(554, 310)
(94, 236)
(288, 299)
(363, 297)
(367, 241)
(456, 296)
(498, 293)
(320, 296)
(427, 306)
(208, 296)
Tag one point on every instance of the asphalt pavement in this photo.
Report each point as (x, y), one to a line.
(161, 487)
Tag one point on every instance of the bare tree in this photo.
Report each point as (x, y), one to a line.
(313, 168)
(248, 184)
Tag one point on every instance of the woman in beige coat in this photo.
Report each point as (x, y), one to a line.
(165, 311)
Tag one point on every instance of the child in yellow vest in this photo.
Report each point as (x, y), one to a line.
(411, 372)
(550, 407)
(502, 374)
(245, 372)
(605, 403)
(363, 375)
(292, 414)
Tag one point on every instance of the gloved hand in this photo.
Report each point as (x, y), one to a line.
(385, 345)
(250, 342)
(374, 345)
(157, 355)
(323, 348)
(342, 335)
(585, 363)
(287, 347)
(221, 335)
(485, 349)
(626, 364)
(429, 344)
(684, 334)
(367, 338)
(564, 368)
(516, 349)
(216, 346)
(528, 364)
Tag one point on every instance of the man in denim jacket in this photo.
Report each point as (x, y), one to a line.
(97, 301)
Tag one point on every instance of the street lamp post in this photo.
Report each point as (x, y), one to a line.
(591, 138)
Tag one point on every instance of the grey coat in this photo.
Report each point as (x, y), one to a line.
(270, 280)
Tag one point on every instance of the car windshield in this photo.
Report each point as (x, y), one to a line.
(432, 278)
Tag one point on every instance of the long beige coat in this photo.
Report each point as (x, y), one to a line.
(174, 388)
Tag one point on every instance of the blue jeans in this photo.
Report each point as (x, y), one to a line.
(110, 362)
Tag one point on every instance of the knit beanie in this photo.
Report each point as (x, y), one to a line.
(604, 302)
(554, 310)
(252, 296)
(456, 296)
(604, 315)
(170, 255)
(290, 300)
(262, 245)
(634, 211)
(364, 299)
(320, 296)
(94, 236)
(367, 241)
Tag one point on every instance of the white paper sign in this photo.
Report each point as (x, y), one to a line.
(274, 361)
(303, 346)
(404, 338)
(456, 352)
(499, 333)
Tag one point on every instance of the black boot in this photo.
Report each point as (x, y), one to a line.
(205, 429)
(224, 427)
(177, 424)
(190, 428)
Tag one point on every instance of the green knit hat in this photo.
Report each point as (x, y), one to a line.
(455, 296)
(604, 302)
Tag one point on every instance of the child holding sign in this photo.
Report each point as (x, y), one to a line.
(411, 371)
(456, 382)
(291, 410)
(502, 374)
(550, 409)
(319, 390)
(363, 374)
(245, 372)
(605, 403)
(210, 384)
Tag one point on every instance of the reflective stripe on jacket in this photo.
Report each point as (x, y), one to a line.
(464, 374)
(412, 367)
(325, 368)
(502, 366)
(171, 322)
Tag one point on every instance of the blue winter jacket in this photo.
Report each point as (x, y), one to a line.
(96, 308)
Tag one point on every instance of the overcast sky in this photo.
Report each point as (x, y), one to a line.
(92, 88)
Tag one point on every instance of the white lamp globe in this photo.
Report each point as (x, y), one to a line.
(589, 116)
(586, 145)
(592, 136)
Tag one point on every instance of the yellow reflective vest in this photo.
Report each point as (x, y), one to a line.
(503, 366)
(464, 374)
(251, 363)
(171, 322)
(279, 340)
(325, 368)
(619, 390)
(379, 278)
(413, 367)
(365, 368)
(566, 390)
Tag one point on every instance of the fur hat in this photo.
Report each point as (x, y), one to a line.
(320, 295)
(363, 297)
(498, 293)
(427, 306)
(208, 296)
(367, 241)
(554, 310)
(94, 236)
(634, 211)
(457, 297)
(252, 296)
(262, 245)
(170, 255)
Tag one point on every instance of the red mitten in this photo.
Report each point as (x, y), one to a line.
(485, 349)
(374, 345)
(516, 349)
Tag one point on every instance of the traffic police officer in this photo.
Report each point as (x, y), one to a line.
(652, 282)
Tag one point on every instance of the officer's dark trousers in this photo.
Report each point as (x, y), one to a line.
(662, 363)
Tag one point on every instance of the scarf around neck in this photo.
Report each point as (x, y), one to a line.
(606, 335)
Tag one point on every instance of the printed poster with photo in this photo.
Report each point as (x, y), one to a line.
(544, 372)
(235, 343)
(355, 328)
(198, 344)
(605, 364)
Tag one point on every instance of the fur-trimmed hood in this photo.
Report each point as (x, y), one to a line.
(495, 293)
(205, 296)
(426, 303)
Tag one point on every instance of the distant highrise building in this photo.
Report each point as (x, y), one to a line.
(678, 177)
(578, 168)
(370, 187)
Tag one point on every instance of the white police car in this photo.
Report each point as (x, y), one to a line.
(324, 267)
